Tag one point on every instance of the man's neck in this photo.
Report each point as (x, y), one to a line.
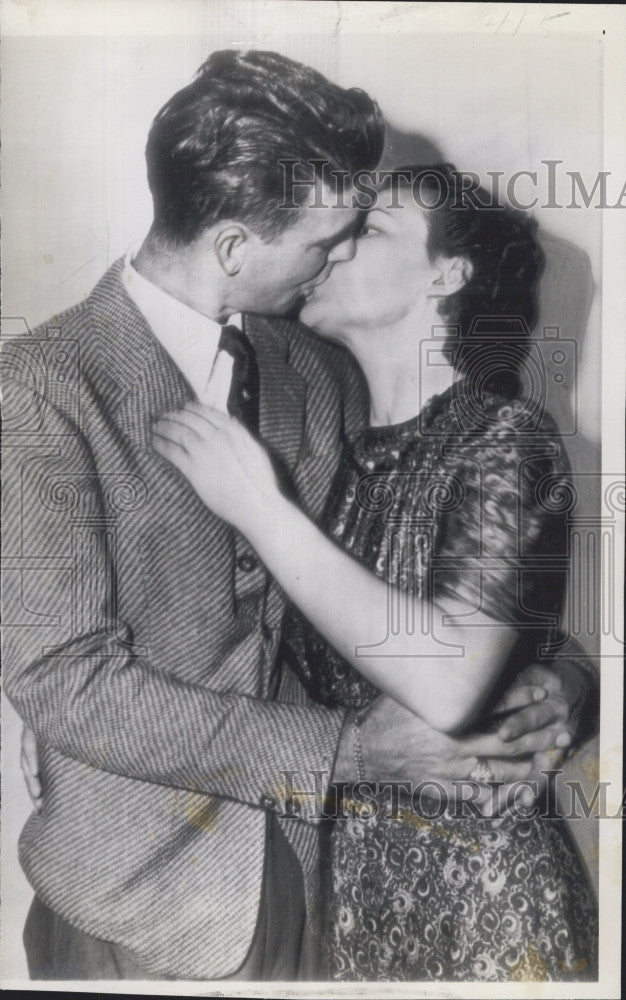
(177, 272)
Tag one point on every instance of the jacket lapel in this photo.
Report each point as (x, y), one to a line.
(141, 381)
(135, 372)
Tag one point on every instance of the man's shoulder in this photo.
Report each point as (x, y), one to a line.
(69, 322)
(78, 322)
(47, 355)
(77, 347)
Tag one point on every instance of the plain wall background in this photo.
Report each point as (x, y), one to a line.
(77, 107)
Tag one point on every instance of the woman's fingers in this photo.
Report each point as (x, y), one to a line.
(201, 420)
(207, 421)
(520, 696)
(184, 427)
(516, 785)
(29, 762)
(196, 427)
(551, 711)
(535, 684)
(171, 450)
(33, 784)
(29, 751)
(493, 745)
(552, 738)
(209, 415)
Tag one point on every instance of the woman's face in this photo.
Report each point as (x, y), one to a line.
(387, 279)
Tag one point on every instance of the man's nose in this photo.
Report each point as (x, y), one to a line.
(343, 251)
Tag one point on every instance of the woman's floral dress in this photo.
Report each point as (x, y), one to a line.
(469, 500)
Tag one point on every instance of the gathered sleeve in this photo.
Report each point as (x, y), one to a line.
(501, 544)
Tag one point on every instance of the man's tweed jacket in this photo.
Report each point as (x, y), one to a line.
(141, 631)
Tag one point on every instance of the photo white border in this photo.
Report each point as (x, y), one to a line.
(608, 23)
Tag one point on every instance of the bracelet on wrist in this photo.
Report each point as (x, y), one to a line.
(357, 746)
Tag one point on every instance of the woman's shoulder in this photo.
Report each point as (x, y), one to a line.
(524, 419)
(504, 432)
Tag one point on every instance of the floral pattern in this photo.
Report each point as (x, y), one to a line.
(468, 501)
(458, 898)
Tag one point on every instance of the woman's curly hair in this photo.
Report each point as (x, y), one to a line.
(493, 314)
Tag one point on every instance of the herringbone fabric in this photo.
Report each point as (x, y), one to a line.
(140, 635)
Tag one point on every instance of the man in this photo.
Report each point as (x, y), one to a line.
(142, 638)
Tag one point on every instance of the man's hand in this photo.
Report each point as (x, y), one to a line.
(396, 745)
(543, 711)
(29, 760)
(399, 746)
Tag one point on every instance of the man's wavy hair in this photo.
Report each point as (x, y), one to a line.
(213, 150)
(492, 316)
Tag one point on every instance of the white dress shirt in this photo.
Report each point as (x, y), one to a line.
(190, 339)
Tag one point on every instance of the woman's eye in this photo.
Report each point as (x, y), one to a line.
(368, 231)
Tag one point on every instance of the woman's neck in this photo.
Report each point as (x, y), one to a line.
(401, 369)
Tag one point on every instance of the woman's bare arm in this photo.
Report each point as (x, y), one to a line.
(443, 673)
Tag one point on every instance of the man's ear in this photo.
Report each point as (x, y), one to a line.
(231, 246)
(452, 274)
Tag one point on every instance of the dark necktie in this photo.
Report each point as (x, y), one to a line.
(243, 398)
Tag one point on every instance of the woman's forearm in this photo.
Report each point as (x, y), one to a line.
(389, 636)
(396, 640)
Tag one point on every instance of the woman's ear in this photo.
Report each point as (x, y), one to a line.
(452, 274)
(231, 245)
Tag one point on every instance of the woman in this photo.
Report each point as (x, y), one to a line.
(450, 501)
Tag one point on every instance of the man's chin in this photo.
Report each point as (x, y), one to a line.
(313, 318)
(303, 310)
(287, 310)
(291, 308)
(307, 313)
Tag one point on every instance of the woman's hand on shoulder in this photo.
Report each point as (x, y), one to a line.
(228, 468)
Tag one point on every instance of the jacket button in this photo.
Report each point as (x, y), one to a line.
(247, 562)
(268, 802)
(266, 632)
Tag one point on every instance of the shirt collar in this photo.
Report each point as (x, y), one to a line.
(190, 338)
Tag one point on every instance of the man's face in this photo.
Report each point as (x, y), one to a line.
(279, 274)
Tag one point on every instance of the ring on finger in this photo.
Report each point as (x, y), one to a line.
(482, 772)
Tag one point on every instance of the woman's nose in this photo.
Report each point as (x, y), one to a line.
(343, 251)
